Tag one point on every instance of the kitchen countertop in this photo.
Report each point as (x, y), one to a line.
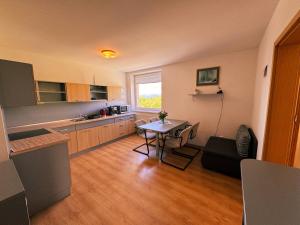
(37, 142)
(271, 193)
(60, 123)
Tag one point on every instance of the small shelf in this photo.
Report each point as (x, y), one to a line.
(51, 92)
(98, 93)
(52, 102)
(199, 93)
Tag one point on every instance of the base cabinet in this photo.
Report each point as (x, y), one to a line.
(105, 133)
(120, 129)
(87, 138)
(72, 143)
(131, 125)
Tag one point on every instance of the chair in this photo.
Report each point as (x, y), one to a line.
(177, 142)
(193, 134)
(153, 119)
(144, 134)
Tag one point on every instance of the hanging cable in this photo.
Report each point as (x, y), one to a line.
(221, 111)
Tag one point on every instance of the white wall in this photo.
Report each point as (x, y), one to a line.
(285, 11)
(237, 75)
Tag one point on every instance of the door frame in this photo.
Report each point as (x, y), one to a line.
(280, 41)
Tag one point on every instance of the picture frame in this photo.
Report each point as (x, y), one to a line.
(208, 76)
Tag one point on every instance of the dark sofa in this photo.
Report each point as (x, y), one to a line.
(221, 155)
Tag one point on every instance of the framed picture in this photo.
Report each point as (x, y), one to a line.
(208, 76)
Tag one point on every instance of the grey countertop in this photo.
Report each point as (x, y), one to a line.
(61, 123)
(10, 183)
(271, 193)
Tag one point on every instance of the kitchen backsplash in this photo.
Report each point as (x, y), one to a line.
(18, 116)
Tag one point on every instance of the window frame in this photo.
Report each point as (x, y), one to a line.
(135, 92)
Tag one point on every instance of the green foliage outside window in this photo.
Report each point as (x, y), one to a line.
(153, 102)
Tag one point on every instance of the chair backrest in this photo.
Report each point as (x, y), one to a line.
(252, 151)
(194, 130)
(153, 119)
(185, 134)
(137, 124)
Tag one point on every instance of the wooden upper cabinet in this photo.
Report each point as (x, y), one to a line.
(114, 93)
(78, 92)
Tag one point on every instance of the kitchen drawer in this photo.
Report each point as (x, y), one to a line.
(65, 129)
(120, 119)
(93, 124)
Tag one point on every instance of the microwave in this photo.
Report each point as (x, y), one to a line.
(124, 108)
(118, 109)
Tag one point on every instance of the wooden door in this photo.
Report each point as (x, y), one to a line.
(297, 152)
(282, 115)
(120, 129)
(105, 133)
(72, 143)
(78, 92)
(84, 94)
(114, 93)
(87, 138)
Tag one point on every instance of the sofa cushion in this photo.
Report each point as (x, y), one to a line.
(222, 147)
(243, 139)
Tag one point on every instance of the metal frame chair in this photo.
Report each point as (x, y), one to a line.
(153, 119)
(177, 142)
(145, 134)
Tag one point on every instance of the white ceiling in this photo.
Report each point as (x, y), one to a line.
(146, 33)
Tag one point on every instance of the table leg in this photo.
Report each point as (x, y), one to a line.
(157, 145)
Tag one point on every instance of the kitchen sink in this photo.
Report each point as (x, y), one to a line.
(27, 134)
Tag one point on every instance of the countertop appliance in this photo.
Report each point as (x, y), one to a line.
(112, 110)
(104, 111)
(124, 108)
(118, 109)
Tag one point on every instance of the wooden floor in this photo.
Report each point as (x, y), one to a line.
(114, 186)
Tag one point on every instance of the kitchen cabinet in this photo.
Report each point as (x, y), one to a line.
(50, 92)
(131, 125)
(105, 133)
(98, 92)
(45, 174)
(70, 131)
(83, 136)
(87, 138)
(72, 143)
(114, 93)
(17, 87)
(120, 129)
(13, 208)
(78, 92)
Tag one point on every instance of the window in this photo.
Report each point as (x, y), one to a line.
(148, 91)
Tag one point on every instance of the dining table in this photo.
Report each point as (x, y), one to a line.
(162, 127)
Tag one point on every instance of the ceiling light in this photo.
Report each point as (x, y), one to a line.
(108, 54)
